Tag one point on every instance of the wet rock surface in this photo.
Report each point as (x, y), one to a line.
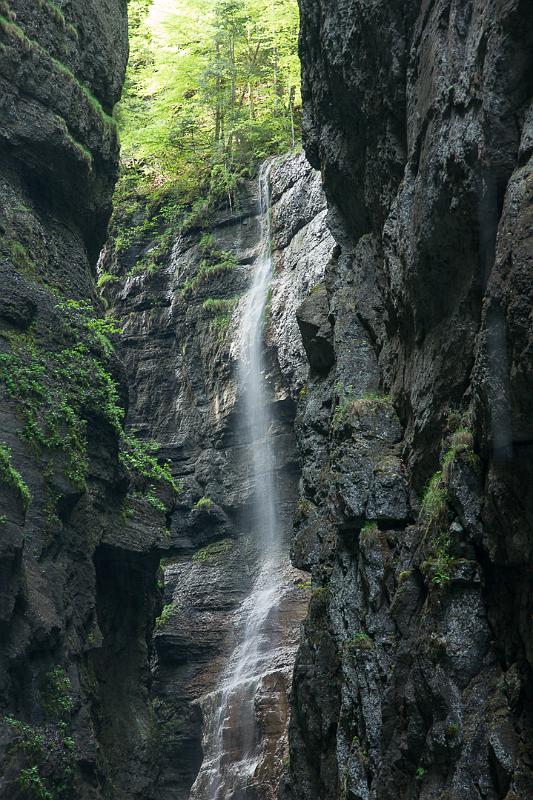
(413, 678)
(192, 405)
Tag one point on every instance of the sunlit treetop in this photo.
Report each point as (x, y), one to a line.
(213, 87)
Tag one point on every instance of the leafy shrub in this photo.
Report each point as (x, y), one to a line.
(10, 475)
(55, 694)
(168, 611)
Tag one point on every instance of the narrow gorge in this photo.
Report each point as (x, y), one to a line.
(266, 466)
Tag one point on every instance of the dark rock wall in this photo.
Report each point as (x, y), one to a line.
(414, 673)
(78, 581)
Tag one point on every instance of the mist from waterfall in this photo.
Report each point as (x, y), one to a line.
(230, 727)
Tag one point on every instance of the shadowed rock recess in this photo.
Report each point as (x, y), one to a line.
(414, 676)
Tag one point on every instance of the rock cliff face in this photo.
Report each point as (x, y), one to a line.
(180, 349)
(413, 678)
(78, 578)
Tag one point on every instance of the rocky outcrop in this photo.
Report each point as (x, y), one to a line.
(78, 561)
(413, 677)
(180, 351)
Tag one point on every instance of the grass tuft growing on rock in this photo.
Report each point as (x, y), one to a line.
(204, 504)
(433, 505)
(349, 402)
(214, 550)
(209, 268)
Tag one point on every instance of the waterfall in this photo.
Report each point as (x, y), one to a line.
(231, 739)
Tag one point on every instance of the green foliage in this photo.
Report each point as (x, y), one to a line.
(141, 464)
(305, 507)
(321, 594)
(211, 88)
(48, 756)
(8, 474)
(369, 530)
(441, 560)
(461, 446)
(405, 575)
(433, 505)
(150, 497)
(204, 504)
(156, 503)
(168, 611)
(213, 266)
(304, 585)
(57, 69)
(345, 397)
(219, 306)
(452, 730)
(420, 773)
(349, 402)
(57, 15)
(58, 389)
(220, 325)
(30, 740)
(31, 782)
(55, 694)
(106, 278)
(214, 550)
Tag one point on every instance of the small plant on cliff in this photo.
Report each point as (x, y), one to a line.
(345, 397)
(304, 391)
(216, 305)
(168, 611)
(106, 278)
(31, 782)
(141, 464)
(217, 264)
(8, 474)
(369, 530)
(433, 505)
(348, 401)
(55, 692)
(461, 446)
(204, 504)
(441, 559)
(30, 740)
(214, 550)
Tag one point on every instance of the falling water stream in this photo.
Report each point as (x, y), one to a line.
(230, 735)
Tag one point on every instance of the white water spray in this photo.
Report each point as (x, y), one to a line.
(231, 741)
